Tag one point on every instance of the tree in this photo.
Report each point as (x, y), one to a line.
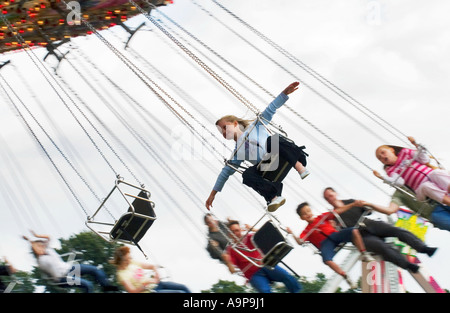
(95, 250)
(315, 285)
(226, 286)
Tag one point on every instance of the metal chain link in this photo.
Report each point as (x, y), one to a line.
(286, 105)
(38, 141)
(28, 49)
(316, 75)
(233, 91)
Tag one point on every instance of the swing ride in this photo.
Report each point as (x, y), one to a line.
(28, 25)
(268, 241)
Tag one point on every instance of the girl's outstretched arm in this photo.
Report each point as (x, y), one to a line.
(281, 99)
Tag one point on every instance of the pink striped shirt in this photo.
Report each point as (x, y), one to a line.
(416, 173)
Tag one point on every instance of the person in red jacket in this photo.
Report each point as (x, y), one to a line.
(259, 277)
(322, 233)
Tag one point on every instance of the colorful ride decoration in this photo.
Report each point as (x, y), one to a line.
(415, 224)
(40, 22)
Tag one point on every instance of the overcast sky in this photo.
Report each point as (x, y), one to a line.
(390, 56)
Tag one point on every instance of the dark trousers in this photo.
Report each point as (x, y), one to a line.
(288, 151)
(252, 177)
(373, 235)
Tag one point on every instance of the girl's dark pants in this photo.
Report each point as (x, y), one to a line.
(288, 151)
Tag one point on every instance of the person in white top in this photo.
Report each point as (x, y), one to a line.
(51, 263)
(139, 277)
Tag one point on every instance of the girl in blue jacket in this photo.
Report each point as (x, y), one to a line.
(253, 143)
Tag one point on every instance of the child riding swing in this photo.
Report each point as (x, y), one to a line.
(253, 144)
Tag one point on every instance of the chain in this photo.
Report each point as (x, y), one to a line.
(216, 76)
(138, 72)
(28, 49)
(38, 141)
(316, 75)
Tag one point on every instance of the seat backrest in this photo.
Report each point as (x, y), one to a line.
(281, 172)
(144, 207)
(271, 243)
(267, 237)
(277, 254)
(131, 227)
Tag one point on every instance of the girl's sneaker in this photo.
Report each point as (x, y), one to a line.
(276, 203)
(304, 174)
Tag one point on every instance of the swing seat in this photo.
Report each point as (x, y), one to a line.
(133, 225)
(279, 173)
(275, 167)
(271, 244)
(272, 166)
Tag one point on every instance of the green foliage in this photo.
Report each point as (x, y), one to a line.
(313, 286)
(226, 286)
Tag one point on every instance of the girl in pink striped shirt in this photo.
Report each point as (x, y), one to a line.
(411, 168)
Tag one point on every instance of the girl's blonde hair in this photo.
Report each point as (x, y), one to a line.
(231, 119)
